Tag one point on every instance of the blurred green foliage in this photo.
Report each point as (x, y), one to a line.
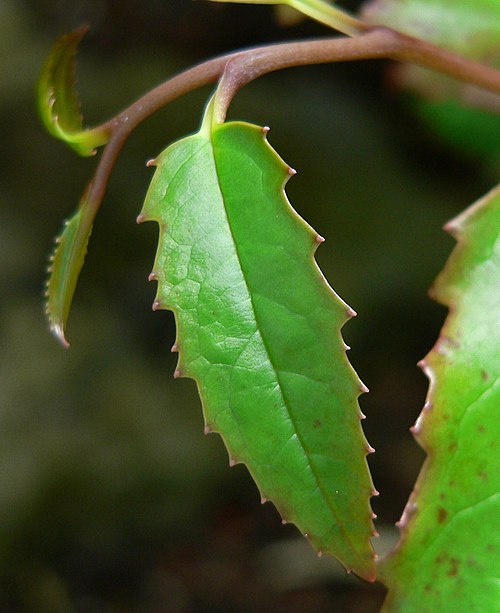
(111, 498)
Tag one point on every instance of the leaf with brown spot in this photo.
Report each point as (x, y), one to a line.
(451, 526)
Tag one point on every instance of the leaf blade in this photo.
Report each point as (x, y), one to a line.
(244, 332)
(65, 265)
(448, 554)
(57, 99)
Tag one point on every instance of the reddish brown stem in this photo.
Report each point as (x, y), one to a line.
(240, 68)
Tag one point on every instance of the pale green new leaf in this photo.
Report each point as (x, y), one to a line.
(449, 556)
(259, 331)
(58, 101)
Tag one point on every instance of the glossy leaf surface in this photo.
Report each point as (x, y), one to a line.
(259, 331)
(57, 99)
(449, 556)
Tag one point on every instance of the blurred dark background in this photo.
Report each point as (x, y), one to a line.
(111, 498)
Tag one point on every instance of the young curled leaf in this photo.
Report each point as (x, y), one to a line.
(58, 101)
(65, 266)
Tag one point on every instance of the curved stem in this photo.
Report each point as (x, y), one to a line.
(235, 70)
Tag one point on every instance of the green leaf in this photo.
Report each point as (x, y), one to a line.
(320, 10)
(57, 99)
(65, 266)
(259, 331)
(468, 27)
(448, 559)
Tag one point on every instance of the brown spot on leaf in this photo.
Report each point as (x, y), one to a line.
(485, 375)
(427, 587)
(453, 570)
(481, 428)
(452, 447)
(442, 515)
(317, 423)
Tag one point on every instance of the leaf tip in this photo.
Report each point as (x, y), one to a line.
(57, 330)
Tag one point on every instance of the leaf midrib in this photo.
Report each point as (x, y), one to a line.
(307, 454)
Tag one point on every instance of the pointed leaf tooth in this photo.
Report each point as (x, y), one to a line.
(363, 389)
